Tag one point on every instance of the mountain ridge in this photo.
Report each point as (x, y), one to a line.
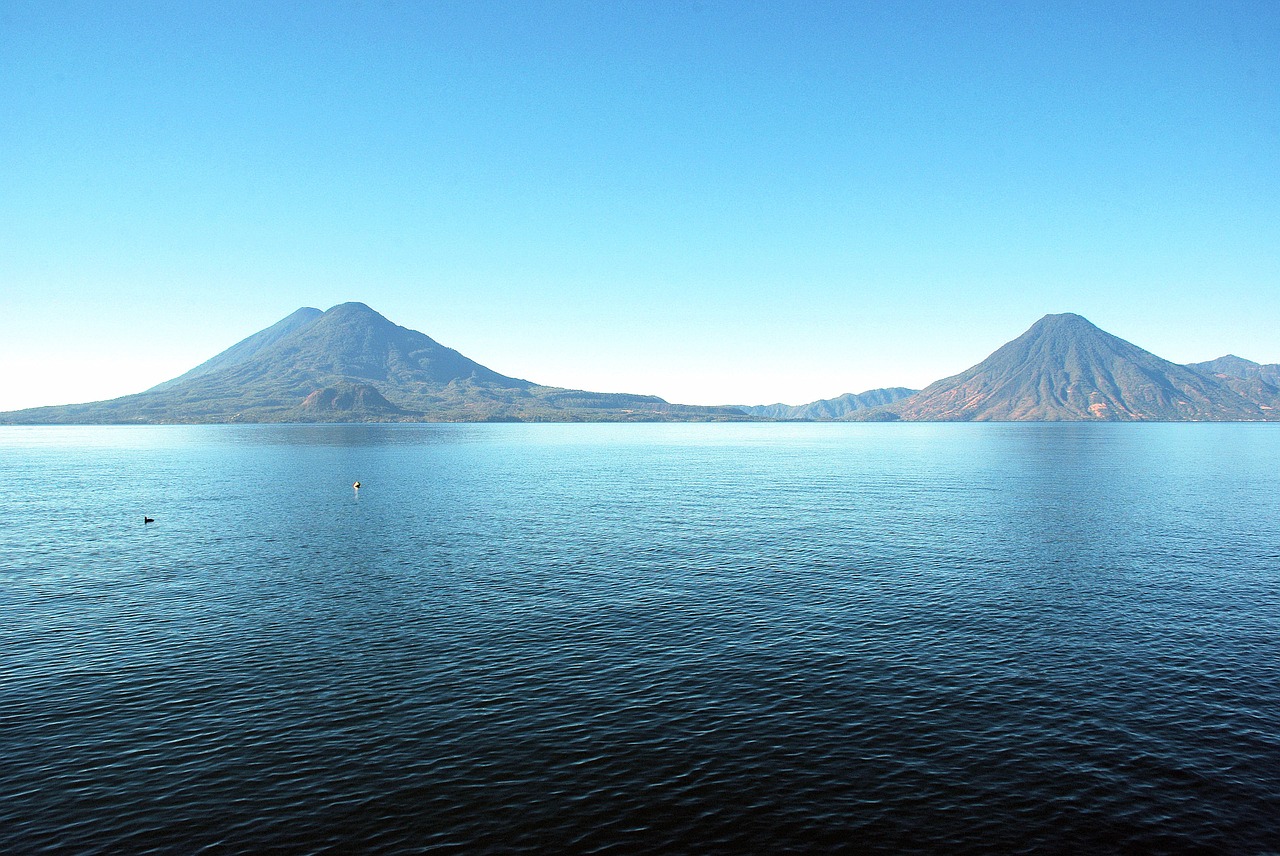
(1238, 367)
(827, 409)
(350, 363)
(1251, 380)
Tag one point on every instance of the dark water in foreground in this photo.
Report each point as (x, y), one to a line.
(641, 638)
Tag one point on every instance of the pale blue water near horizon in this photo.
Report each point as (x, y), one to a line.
(640, 638)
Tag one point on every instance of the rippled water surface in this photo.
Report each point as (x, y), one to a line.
(641, 638)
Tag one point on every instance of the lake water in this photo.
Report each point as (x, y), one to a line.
(641, 638)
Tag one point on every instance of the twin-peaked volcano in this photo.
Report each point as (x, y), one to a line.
(1065, 368)
(352, 364)
(349, 343)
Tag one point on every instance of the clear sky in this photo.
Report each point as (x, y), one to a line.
(709, 201)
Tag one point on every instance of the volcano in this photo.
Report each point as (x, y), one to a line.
(351, 364)
(1066, 369)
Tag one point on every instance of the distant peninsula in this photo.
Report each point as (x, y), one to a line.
(350, 364)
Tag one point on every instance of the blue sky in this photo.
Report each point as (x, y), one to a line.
(708, 201)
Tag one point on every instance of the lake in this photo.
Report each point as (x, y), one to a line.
(689, 638)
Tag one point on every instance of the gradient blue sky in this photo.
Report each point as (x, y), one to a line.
(708, 201)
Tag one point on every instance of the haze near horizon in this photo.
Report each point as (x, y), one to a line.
(721, 203)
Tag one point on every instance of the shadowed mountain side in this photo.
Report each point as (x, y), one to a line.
(830, 408)
(352, 364)
(1065, 368)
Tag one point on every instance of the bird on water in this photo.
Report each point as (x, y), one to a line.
(146, 519)
(356, 485)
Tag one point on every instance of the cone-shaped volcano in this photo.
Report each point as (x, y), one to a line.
(1065, 368)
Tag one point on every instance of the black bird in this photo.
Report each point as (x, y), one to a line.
(146, 519)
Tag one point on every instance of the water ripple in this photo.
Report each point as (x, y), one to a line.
(653, 639)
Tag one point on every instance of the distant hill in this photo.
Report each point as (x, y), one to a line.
(1251, 380)
(1238, 367)
(352, 364)
(830, 408)
(1065, 368)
